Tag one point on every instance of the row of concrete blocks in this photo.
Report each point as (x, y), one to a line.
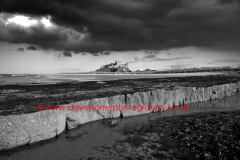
(19, 130)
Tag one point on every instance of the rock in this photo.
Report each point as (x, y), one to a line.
(187, 130)
(113, 123)
(71, 124)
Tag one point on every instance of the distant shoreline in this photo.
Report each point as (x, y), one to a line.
(112, 73)
(190, 70)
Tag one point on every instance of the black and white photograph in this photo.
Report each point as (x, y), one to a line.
(119, 79)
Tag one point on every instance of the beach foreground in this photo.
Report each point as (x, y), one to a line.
(26, 126)
(208, 130)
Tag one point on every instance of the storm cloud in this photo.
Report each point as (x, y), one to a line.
(114, 25)
(20, 49)
(150, 59)
(67, 54)
(31, 48)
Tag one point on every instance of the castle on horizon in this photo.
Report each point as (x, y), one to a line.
(117, 64)
(114, 67)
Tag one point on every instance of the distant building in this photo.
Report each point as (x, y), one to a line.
(117, 64)
(114, 67)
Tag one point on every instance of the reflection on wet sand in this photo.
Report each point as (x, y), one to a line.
(139, 137)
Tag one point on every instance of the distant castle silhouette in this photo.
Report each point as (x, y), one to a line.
(117, 64)
(114, 67)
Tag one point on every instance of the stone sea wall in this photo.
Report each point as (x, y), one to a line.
(19, 130)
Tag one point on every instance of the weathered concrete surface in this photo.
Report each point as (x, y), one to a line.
(159, 97)
(18, 130)
(78, 116)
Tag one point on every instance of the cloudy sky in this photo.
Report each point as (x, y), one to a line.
(52, 36)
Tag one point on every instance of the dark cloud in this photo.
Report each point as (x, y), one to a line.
(228, 60)
(106, 53)
(152, 52)
(227, 1)
(31, 48)
(67, 54)
(95, 54)
(117, 25)
(151, 56)
(20, 49)
(150, 59)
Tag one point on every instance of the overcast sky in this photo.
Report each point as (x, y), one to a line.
(52, 36)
